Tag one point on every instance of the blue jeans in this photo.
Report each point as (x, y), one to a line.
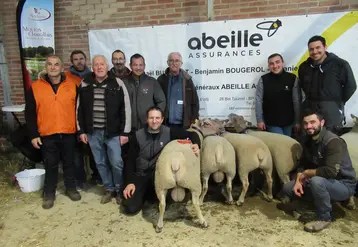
(108, 158)
(321, 191)
(287, 130)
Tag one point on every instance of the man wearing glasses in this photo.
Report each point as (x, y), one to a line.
(182, 99)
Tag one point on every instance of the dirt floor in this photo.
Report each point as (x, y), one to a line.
(88, 223)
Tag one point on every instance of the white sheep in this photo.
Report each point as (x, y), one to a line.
(286, 151)
(217, 158)
(177, 168)
(251, 153)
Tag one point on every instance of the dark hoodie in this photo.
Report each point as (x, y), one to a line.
(327, 87)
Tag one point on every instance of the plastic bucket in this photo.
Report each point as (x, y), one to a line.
(31, 180)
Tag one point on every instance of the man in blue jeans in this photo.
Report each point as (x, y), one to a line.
(325, 171)
(278, 99)
(101, 110)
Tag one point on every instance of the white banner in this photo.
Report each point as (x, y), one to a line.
(227, 58)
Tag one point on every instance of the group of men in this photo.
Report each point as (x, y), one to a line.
(106, 110)
(325, 170)
(127, 117)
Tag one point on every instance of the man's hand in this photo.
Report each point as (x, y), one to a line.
(129, 191)
(36, 142)
(83, 138)
(123, 140)
(261, 126)
(309, 173)
(298, 189)
(195, 149)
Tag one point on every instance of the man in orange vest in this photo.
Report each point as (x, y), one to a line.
(50, 114)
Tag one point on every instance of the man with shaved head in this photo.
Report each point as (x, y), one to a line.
(50, 115)
(101, 121)
(180, 92)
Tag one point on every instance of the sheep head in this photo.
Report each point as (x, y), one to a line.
(238, 122)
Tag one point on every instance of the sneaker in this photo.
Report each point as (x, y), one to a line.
(73, 194)
(107, 197)
(316, 226)
(80, 186)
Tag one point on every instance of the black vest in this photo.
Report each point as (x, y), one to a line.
(150, 146)
(277, 103)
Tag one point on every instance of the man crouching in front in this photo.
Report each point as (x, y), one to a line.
(145, 147)
(50, 114)
(325, 171)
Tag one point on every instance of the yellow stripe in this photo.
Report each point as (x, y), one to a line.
(335, 31)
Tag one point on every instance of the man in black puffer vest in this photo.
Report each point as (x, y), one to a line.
(328, 83)
(145, 146)
(325, 171)
(278, 99)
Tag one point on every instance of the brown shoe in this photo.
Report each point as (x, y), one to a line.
(48, 202)
(73, 194)
(107, 197)
(316, 226)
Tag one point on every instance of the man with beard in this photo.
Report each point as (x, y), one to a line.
(324, 173)
(78, 70)
(145, 147)
(328, 83)
(119, 65)
(180, 92)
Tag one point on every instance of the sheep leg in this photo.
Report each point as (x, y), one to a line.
(195, 199)
(205, 188)
(161, 197)
(245, 185)
(268, 174)
(229, 200)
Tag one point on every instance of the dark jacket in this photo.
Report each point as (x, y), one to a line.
(190, 97)
(327, 87)
(278, 99)
(143, 94)
(329, 155)
(114, 103)
(126, 72)
(142, 156)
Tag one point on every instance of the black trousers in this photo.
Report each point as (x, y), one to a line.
(56, 148)
(80, 150)
(144, 190)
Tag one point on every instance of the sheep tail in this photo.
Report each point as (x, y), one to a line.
(219, 154)
(260, 154)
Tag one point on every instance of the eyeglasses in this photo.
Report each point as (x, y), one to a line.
(174, 61)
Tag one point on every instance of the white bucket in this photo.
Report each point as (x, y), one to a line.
(31, 180)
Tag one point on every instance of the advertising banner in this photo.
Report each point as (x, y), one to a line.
(35, 24)
(227, 58)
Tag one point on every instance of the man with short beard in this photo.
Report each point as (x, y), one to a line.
(79, 65)
(328, 83)
(119, 65)
(325, 171)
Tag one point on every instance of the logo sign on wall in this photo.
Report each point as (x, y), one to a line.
(35, 24)
(227, 58)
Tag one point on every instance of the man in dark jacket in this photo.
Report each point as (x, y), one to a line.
(180, 92)
(328, 83)
(144, 92)
(325, 171)
(119, 65)
(145, 147)
(278, 99)
(101, 123)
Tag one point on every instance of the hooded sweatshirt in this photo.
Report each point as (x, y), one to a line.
(327, 87)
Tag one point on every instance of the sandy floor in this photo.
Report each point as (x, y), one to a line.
(88, 223)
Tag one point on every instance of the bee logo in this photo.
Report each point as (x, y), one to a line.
(270, 26)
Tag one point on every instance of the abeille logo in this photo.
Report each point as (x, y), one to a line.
(39, 14)
(270, 26)
(237, 39)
